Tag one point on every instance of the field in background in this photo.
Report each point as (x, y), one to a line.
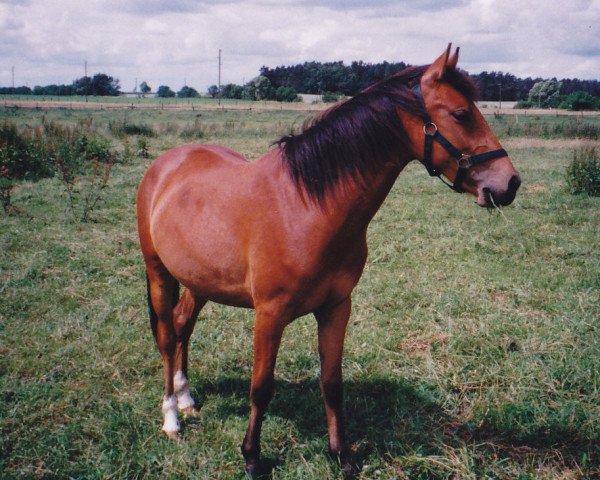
(472, 350)
(204, 103)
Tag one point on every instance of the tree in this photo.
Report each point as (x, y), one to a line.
(545, 94)
(259, 88)
(213, 91)
(580, 101)
(145, 88)
(101, 85)
(286, 94)
(165, 91)
(231, 90)
(187, 92)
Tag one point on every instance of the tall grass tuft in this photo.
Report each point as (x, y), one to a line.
(583, 173)
(121, 129)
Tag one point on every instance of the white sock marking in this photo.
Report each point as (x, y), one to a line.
(182, 390)
(169, 410)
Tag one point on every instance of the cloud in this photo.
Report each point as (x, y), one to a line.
(176, 41)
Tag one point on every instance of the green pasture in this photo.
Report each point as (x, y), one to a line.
(472, 352)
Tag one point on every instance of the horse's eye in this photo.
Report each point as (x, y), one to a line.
(462, 116)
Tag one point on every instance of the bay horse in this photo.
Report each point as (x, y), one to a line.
(286, 233)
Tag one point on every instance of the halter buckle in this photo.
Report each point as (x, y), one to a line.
(430, 129)
(464, 161)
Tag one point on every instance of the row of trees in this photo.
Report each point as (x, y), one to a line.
(284, 82)
(553, 94)
(318, 78)
(98, 85)
(259, 88)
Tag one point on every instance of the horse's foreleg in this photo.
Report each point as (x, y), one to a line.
(268, 329)
(184, 319)
(163, 291)
(332, 321)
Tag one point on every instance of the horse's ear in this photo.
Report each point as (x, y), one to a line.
(453, 60)
(436, 70)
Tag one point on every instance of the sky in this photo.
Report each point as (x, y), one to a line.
(177, 42)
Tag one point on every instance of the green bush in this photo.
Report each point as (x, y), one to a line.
(524, 104)
(81, 159)
(578, 101)
(331, 97)
(122, 129)
(23, 156)
(583, 173)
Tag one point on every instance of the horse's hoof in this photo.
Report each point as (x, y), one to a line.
(256, 471)
(190, 412)
(349, 470)
(172, 434)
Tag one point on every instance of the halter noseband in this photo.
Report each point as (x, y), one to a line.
(463, 160)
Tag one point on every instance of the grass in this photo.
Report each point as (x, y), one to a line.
(472, 349)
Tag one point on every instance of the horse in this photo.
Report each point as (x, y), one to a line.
(285, 234)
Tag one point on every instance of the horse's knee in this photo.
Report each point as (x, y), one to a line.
(261, 395)
(332, 392)
(165, 340)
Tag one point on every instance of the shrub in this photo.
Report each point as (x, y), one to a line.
(196, 130)
(187, 92)
(84, 163)
(23, 156)
(331, 97)
(580, 101)
(583, 173)
(82, 160)
(286, 94)
(122, 129)
(524, 104)
(164, 91)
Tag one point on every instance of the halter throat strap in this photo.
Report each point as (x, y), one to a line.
(464, 161)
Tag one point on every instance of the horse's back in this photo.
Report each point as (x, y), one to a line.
(203, 157)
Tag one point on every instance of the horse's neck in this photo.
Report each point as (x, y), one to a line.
(355, 202)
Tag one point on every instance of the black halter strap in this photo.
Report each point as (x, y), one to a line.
(463, 160)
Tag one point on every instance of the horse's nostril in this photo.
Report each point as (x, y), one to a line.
(514, 183)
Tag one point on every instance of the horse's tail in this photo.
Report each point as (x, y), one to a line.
(151, 311)
(153, 315)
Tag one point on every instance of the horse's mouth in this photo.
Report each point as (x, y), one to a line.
(491, 199)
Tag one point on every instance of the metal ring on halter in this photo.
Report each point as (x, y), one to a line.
(464, 161)
(430, 129)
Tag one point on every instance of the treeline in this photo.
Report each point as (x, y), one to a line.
(101, 85)
(329, 79)
(259, 88)
(319, 78)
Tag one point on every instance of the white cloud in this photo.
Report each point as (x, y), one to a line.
(169, 42)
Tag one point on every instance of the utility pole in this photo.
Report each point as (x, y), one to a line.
(219, 85)
(13, 77)
(500, 95)
(85, 80)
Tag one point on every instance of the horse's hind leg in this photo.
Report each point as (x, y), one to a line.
(184, 319)
(163, 293)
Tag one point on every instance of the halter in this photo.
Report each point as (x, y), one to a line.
(463, 160)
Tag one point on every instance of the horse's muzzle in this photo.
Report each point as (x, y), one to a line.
(491, 197)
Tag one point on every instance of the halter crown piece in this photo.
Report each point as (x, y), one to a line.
(463, 160)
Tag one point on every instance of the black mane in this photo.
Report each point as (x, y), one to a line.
(360, 133)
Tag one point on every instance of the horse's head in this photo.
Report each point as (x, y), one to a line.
(453, 139)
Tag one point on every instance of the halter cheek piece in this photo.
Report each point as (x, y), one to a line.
(463, 160)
